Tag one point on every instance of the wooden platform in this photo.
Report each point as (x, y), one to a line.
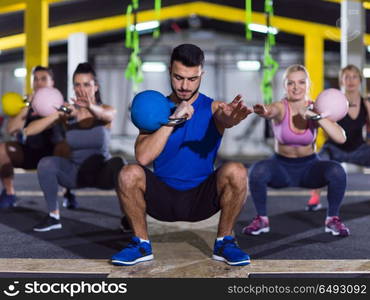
(182, 267)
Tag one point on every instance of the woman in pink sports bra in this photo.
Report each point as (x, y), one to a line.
(295, 162)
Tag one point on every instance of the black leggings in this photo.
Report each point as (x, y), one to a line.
(94, 172)
(308, 172)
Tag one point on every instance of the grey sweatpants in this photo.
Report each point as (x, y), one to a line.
(53, 171)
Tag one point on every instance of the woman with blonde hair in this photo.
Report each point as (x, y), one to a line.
(295, 162)
(355, 150)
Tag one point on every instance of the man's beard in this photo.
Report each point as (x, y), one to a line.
(187, 99)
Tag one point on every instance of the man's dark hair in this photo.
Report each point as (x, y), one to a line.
(86, 68)
(188, 54)
(46, 69)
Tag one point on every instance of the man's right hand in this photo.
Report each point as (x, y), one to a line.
(183, 110)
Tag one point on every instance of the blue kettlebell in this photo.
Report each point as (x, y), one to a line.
(150, 110)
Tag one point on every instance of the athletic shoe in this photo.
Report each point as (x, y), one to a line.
(228, 251)
(257, 226)
(135, 252)
(335, 226)
(314, 203)
(7, 200)
(48, 223)
(69, 200)
(125, 225)
(313, 207)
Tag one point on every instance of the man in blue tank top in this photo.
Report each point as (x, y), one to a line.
(184, 185)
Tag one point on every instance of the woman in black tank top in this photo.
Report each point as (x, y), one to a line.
(87, 163)
(355, 150)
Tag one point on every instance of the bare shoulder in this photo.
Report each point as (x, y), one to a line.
(278, 104)
(366, 102)
(278, 110)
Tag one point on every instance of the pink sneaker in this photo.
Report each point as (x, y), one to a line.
(314, 203)
(257, 226)
(335, 226)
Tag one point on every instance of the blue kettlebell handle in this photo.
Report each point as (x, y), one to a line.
(176, 121)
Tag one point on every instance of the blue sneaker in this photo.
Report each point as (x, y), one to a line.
(6, 200)
(228, 251)
(134, 253)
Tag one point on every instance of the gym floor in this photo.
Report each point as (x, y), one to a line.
(296, 245)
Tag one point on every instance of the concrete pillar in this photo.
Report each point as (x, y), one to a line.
(77, 53)
(352, 31)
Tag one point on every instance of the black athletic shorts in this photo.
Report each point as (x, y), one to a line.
(165, 203)
(25, 157)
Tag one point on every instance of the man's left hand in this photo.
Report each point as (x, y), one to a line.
(231, 114)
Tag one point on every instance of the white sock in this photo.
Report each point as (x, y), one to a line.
(55, 216)
(141, 241)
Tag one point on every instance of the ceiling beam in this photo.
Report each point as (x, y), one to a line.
(9, 6)
(202, 9)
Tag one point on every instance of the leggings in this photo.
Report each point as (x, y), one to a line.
(93, 172)
(307, 172)
(360, 156)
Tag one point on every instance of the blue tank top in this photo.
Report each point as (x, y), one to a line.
(85, 142)
(189, 155)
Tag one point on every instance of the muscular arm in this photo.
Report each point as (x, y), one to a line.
(227, 115)
(273, 111)
(104, 113)
(37, 126)
(17, 122)
(367, 106)
(332, 129)
(149, 146)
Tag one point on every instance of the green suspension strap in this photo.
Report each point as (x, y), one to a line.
(270, 65)
(157, 8)
(133, 70)
(128, 40)
(248, 19)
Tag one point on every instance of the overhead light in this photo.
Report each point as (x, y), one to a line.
(262, 28)
(248, 65)
(366, 72)
(145, 26)
(20, 72)
(153, 66)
